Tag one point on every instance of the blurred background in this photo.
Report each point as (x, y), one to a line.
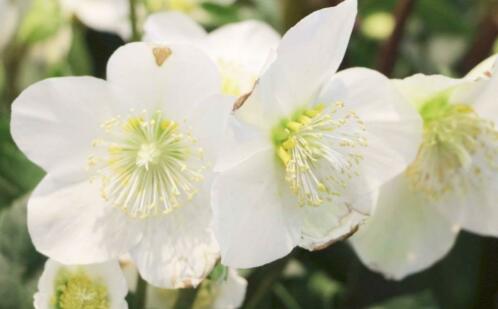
(46, 38)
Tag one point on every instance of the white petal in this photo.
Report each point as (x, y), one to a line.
(241, 141)
(309, 53)
(108, 273)
(55, 120)
(73, 225)
(393, 127)
(129, 271)
(419, 88)
(173, 84)
(251, 219)
(209, 122)
(474, 209)
(485, 101)
(405, 235)
(105, 15)
(178, 249)
(231, 292)
(248, 43)
(321, 226)
(483, 69)
(172, 27)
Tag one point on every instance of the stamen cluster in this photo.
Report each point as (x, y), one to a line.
(457, 143)
(78, 290)
(320, 152)
(147, 166)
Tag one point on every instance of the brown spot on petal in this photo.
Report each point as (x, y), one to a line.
(488, 74)
(243, 98)
(353, 230)
(161, 54)
(240, 101)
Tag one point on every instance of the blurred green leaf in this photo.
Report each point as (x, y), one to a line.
(41, 21)
(17, 174)
(20, 264)
(456, 279)
(221, 14)
(423, 300)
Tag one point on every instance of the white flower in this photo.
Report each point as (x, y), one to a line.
(311, 148)
(102, 15)
(241, 49)
(91, 286)
(114, 15)
(230, 292)
(226, 292)
(128, 162)
(451, 183)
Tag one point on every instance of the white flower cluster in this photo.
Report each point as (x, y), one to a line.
(241, 144)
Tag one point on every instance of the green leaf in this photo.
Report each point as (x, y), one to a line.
(18, 175)
(20, 264)
(41, 22)
(414, 301)
(219, 273)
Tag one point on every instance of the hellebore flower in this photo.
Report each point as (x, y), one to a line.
(241, 49)
(114, 15)
(450, 185)
(303, 164)
(102, 15)
(128, 161)
(93, 286)
(227, 291)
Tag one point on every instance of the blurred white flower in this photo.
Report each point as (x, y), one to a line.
(310, 148)
(114, 15)
(102, 15)
(241, 49)
(85, 286)
(128, 162)
(378, 25)
(226, 292)
(445, 50)
(451, 184)
(231, 292)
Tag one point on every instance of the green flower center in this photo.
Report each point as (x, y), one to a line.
(185, 6)
(76, 290)
(146, 166)
(320, 149)
(235, 79)
(458, 147)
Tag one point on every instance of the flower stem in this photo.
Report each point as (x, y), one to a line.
(389, 52)
(133, 20)
(140, 293)
(483, 41)
(262, 280)
(186, 298)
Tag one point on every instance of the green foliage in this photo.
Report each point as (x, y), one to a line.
(41, 22)
(20, 264)
(17, 174)
(416, 301)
